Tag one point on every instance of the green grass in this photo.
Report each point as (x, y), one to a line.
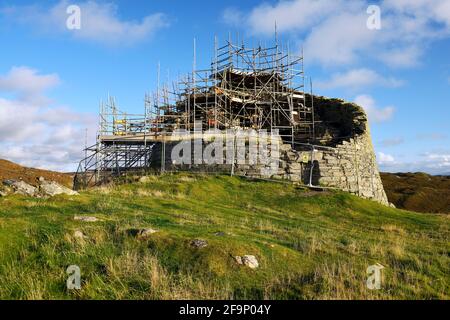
(309, 245)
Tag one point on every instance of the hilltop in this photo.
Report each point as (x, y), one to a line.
(418, 191)
(177, 237)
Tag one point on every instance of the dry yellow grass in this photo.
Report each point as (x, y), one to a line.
(393, 229)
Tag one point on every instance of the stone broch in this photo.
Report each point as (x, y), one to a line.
(344, 160)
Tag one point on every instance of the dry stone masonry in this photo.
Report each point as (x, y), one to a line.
(350, 166)
(344, 157)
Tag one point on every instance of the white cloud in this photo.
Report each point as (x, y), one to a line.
(438, 161)
(290, 15)
(34, 133)
(374, 113)
(430, 162)
(340, 39)
(335, 32)
(358, 78)
(16, 121)
(28, 84)
(403, 57)
(392, 142)
(385, 159)
(431, 136)
(437, 10)
(100, 22)
(233, 17)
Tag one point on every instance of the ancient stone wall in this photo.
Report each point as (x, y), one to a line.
(350, 166)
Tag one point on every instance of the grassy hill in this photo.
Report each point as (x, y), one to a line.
(10, 170)
(310, 245)
(419, 191)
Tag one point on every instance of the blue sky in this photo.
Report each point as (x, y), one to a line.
(52, 78)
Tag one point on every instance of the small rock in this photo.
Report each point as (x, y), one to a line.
(199, 243)
(248, 260)
(8, 182)
(141, 233)
(144, 179)
(86, 218)
(391, 205)
(79, 235)
(219, 234)
(145, 233)
(41, 179)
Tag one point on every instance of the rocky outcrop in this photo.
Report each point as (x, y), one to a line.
(21, 187)
(51, 188)
(42, 189)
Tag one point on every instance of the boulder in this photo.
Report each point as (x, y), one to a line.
(52, 188)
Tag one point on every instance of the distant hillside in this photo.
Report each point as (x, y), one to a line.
(419, 192)
(10, 170)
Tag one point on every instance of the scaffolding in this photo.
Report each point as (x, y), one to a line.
(261, 88)
(250, 88)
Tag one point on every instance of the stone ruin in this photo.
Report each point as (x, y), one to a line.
(344, 159)
(320, 142)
